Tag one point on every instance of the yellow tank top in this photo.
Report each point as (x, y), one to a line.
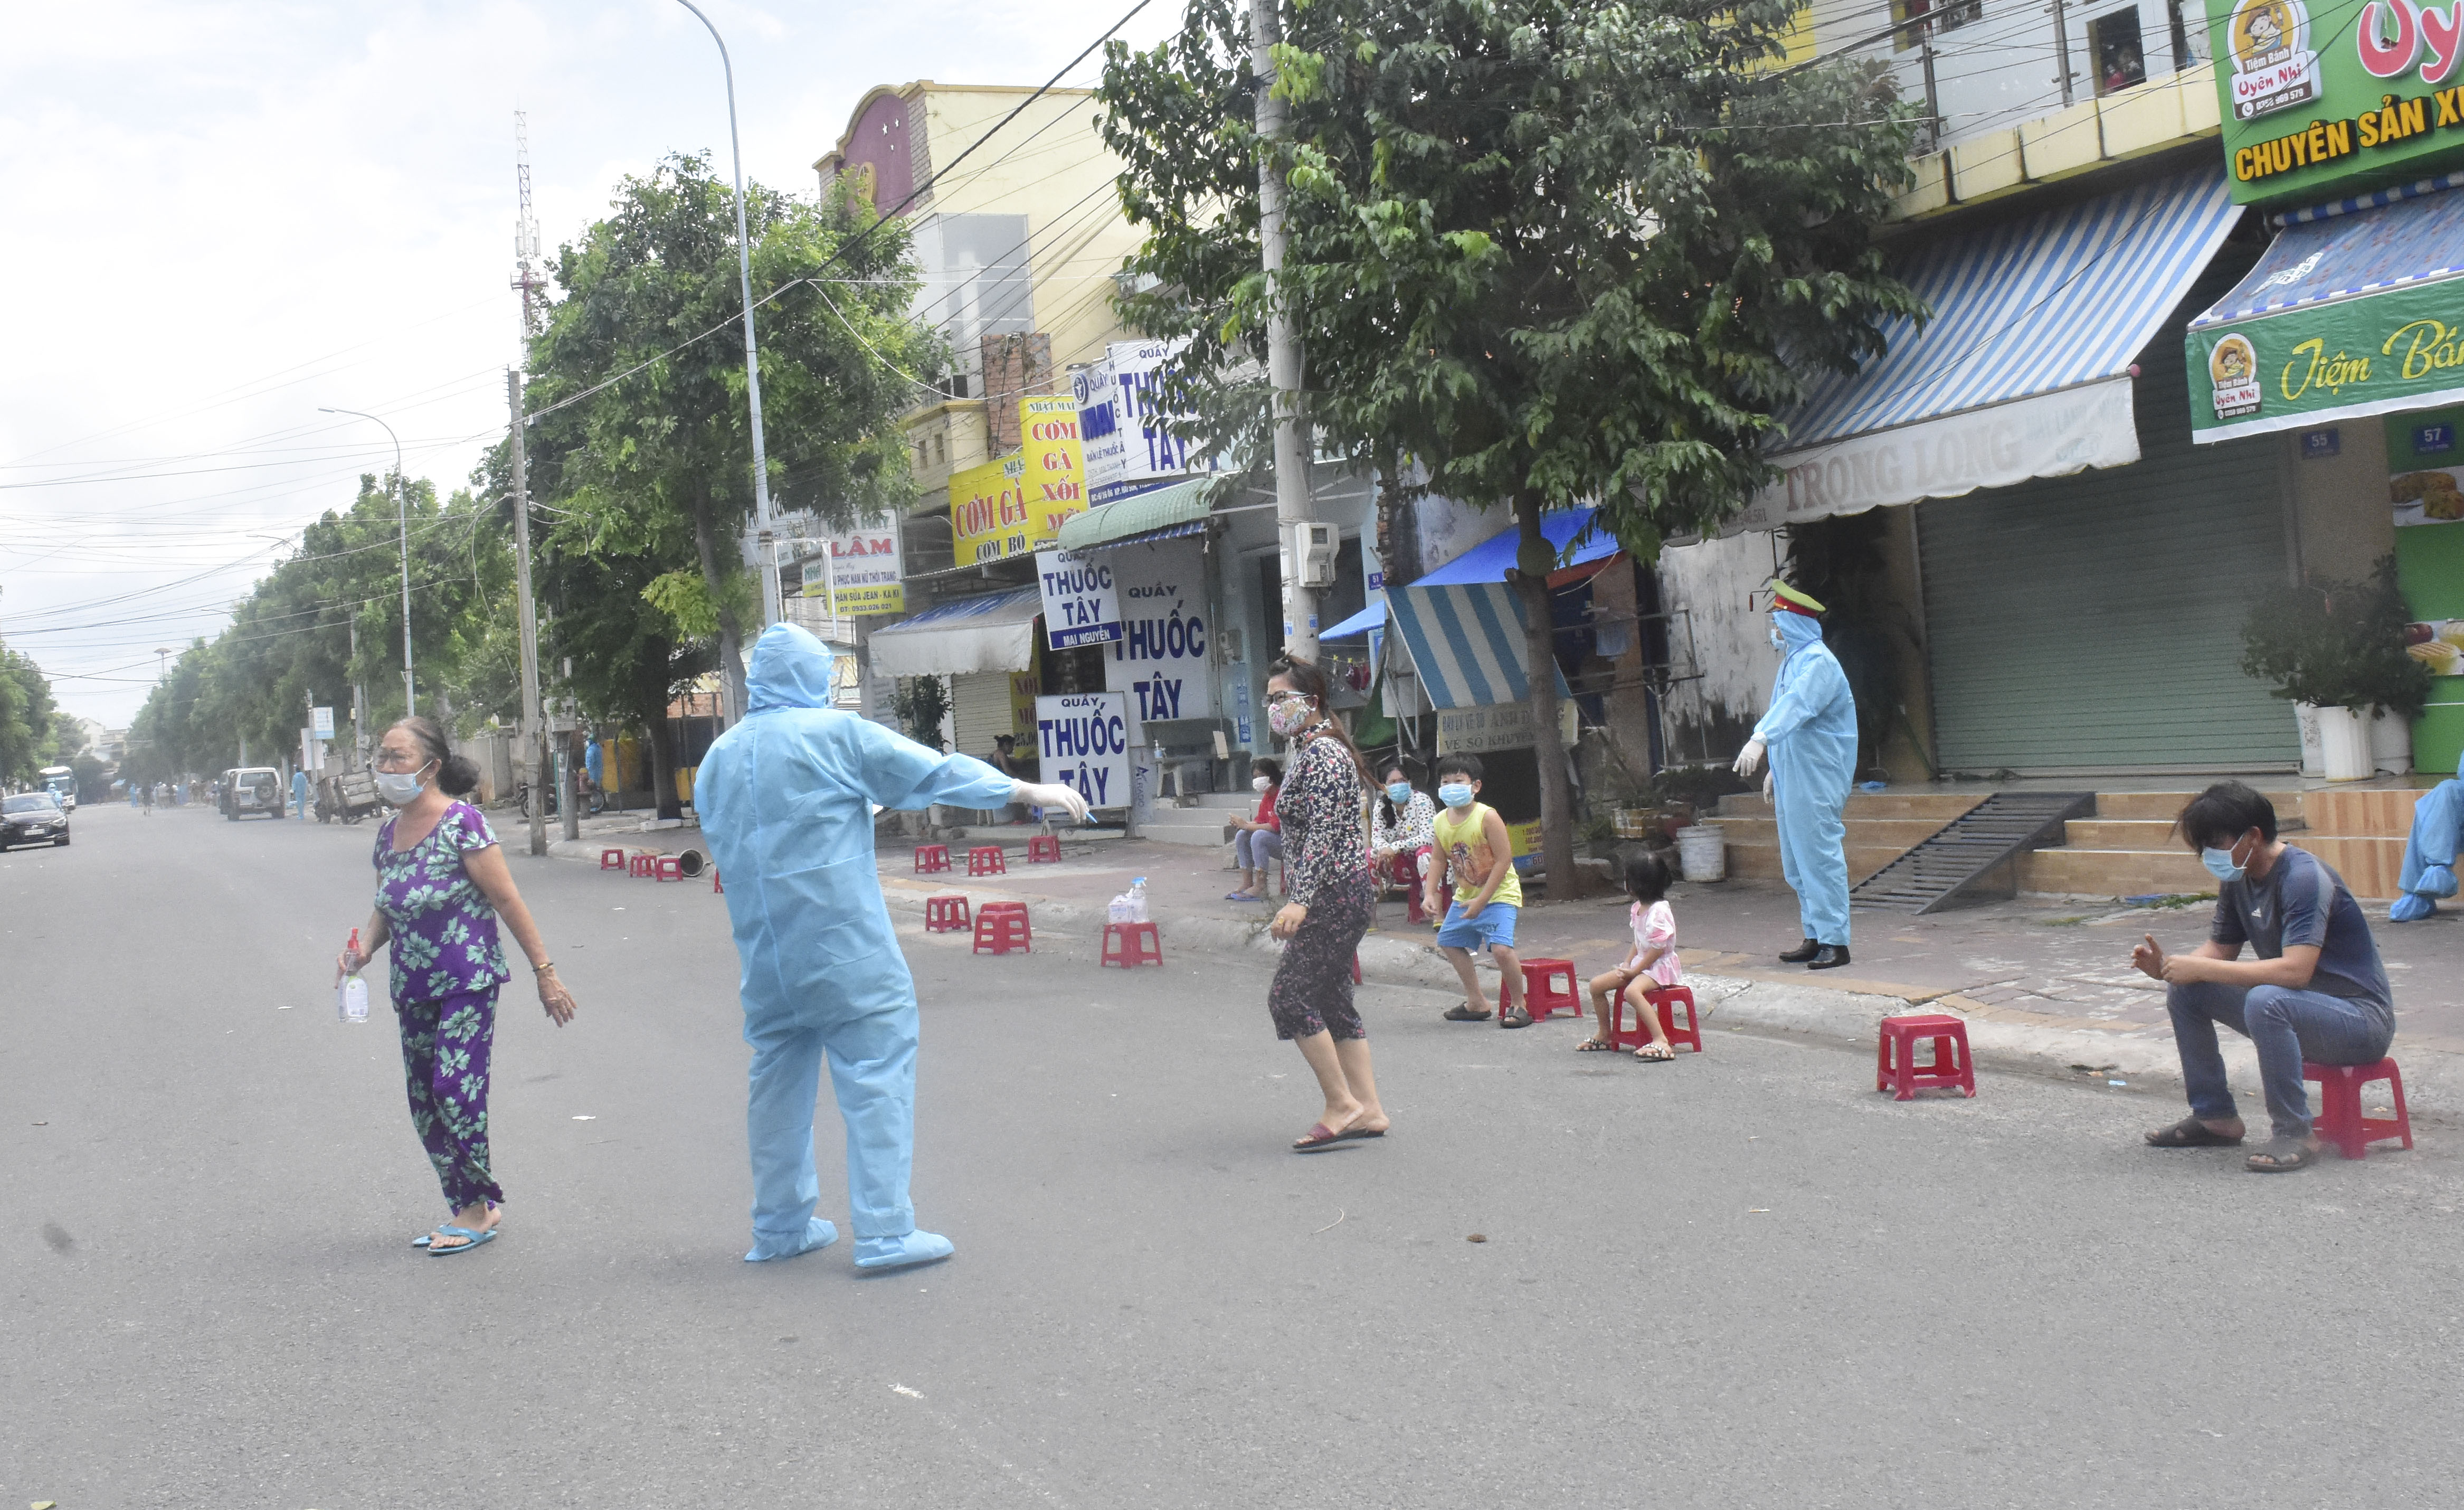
(1468, 860)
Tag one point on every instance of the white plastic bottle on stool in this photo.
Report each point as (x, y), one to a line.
(351, 997)
(1138, 901)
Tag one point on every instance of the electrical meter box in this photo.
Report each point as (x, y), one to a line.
(1308, 554)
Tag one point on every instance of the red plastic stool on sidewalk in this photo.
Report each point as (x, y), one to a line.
(930, 858)
(946, 915)
(1664, 1000)
(670, 867)
(1404, 871)
(2339, 1120)
(645, 865)
(611, 859)
(1894, 1065)
(987, 859)
(1002, 926)
(1044, 849)
(1129, 945)
(1540, 998)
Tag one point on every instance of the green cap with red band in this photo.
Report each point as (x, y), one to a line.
(1785, 599)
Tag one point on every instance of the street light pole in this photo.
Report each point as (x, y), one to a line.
(401, 518)
(763, 555)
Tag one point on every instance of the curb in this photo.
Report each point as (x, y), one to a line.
(1846, 1016)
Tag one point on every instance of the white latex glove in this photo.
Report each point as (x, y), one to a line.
(1051, 794)
(1750, 758)
(1767, 785)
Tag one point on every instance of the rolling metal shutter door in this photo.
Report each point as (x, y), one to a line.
(980, 709)
(2093, 621)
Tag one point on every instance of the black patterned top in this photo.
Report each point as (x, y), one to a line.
(1323, 808)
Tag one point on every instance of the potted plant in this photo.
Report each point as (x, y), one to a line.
(2335, 650)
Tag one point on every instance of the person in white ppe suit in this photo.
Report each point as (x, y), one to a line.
(786, 799)
(1810, 736)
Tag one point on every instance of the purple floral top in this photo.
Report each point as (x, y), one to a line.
(443, 930)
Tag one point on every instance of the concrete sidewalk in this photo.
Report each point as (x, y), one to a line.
(2045, 983)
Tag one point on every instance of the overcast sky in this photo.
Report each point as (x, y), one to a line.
(223, 216)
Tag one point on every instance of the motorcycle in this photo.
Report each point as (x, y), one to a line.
(593, 801)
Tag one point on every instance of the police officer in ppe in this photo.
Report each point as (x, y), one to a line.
(1810, 735)
(786, 799)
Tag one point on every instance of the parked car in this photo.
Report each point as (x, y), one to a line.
(33, 817)
(252, 789)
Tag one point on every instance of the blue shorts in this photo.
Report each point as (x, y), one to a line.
(1494, 928)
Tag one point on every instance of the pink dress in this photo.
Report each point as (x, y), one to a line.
(1653, 927)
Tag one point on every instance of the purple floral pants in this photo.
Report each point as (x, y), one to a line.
(445, 1048)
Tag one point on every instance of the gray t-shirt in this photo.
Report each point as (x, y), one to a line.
(2301, 901)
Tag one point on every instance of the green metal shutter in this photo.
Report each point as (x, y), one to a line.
(2093, 620)
(980, 709)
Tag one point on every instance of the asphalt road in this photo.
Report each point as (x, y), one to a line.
(1742, 1280)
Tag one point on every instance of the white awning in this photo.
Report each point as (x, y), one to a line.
(992, 632)
(2025, 369)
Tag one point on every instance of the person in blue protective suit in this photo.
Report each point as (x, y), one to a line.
(2430, 855)
(1810, 736)
(787, 800)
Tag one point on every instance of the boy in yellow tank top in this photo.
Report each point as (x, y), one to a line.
(1479, 859)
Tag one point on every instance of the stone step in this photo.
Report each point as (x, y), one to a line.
(2378, 813)
(2165, 805)
(1939, 805)
(1905, 832)
(1760, 861)
(2112, 873)
(1198, 827)
(2100, 833)
(2370, 864)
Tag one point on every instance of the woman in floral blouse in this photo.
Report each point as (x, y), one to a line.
(1323, 809)
(441, 884)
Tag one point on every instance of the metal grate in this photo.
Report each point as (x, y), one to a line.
(1989, 835)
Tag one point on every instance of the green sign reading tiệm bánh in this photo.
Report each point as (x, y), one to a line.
(2319, 102)
(2398, 350)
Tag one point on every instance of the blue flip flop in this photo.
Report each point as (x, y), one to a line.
(475, 1239)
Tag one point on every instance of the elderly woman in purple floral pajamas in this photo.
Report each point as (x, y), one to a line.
(442, 883)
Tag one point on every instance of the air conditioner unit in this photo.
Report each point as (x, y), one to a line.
(1309, 555)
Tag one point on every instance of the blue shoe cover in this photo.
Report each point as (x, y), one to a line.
(897, 1253)
(2436, 880)
(2411, 907)
(817, 1235)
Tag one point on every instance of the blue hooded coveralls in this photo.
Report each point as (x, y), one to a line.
(787, 800)
(1811, 733)
(2430, 853)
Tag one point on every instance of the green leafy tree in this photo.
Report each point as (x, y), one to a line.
(654, 470)
(1555, 251)
(26, 717)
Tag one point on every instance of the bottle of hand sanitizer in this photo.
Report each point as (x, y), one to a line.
(351, 997)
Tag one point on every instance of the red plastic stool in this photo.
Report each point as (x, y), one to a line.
(1002, 926)
(1540, 998)
(1129, 945)
(1664, 1000)
(672, 867)
(987, 859)
(1405, 872)
(1044, 849)
(931, 857)
(2339, 1120)
(1900, 1069)
(611, 859)
(946, 915)
(645, 864)
(713, 881)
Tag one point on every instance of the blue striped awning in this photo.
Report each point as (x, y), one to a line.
(2024, 369)
(2352, 253)
(2050, 301)
(1466, 641)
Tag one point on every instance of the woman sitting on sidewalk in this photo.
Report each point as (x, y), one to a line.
(2316, 991)
(1261, 839)
(1403, 825)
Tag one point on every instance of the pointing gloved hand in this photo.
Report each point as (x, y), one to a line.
(1750, 758)
(1051, 794)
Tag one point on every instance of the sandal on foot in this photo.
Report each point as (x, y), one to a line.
(1319, 1136)
(1665, 1056)
(2190, 1133)
(1465, 1014)
(2281, 1156)
(1517, 1018)
(469, 1240)
(1593, 1045)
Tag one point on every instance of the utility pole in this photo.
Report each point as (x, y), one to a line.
(402, 521)
(1293, 512)
(533, 727)
(359, 703)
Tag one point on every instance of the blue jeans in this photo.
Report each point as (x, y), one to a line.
(1253, 848)
(2286, 1027)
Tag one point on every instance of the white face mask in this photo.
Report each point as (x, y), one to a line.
(399, 788)
(1778, 641)
(1260, 783)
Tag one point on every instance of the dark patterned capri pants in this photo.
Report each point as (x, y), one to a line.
(1312, 989)
(445, 1048)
